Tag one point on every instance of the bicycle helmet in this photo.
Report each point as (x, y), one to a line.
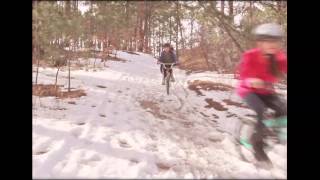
(268, 31)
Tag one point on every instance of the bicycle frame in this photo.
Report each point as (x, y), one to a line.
(166, 68)
(168, 74)
(171, 64)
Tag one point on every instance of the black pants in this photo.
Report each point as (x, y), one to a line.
(259, 103)
(162, 70)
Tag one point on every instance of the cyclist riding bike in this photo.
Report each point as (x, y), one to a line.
(259, 69)
(167, 56)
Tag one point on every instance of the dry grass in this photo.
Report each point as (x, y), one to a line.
(45, 90)
(191, 61)
(233, 103)
(198, 85)
(154, 108)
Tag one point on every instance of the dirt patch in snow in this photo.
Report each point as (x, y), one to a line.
(233, 103)
(45, 90)
(71, 102)
(204, 115)
(100, 86)
(214, 104)
(198, 85)
(112, 58)
(153, 108)
(163, 166)
(40, 152)
(131, 52)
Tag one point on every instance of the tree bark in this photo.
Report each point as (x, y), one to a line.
(170, 29)
(222, 7)
(38, 64)
(69, 74)
(231, 9)
(55, 83)
(141, 25)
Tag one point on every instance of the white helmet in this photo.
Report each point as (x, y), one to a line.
(271, 30)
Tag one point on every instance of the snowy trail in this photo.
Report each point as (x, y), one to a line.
(133, 129)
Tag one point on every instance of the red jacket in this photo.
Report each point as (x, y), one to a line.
(254, 65)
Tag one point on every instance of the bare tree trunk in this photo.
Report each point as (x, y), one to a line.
(203, 46)
(191, 33)
(161, 37)
(159, 41)
(141, 15)
(233, 39)
(170, 27)
(38, 64)
(177, 42)
(222, 7)
(250, 12)
(279, 5)
(181, 35)
(146, 25)
(180, 25)
(95, 58)
(55, 83)
(136, 29)
(37, 49)
(231, 9)
(69, 75)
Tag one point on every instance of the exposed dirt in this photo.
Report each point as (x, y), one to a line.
(233, 103)
(131, 52)
(204, 114)
(216, 105)
(163, 166)
(154, 109)
(198, 85)
(45, 90)
(100, 86)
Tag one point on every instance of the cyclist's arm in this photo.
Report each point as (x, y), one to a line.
(176, 61)
(161, 57)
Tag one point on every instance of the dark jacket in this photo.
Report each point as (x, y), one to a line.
(169, 57)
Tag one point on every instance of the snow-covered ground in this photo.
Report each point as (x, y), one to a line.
(133, 129)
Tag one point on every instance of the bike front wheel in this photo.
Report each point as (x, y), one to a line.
(168, 83)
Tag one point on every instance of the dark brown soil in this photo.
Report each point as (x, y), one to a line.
(216, 105)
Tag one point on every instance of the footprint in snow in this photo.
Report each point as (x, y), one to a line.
(152, 147)
(41, 152)
(124, 144)
(163, 166)
(76, 132)
(134, 161)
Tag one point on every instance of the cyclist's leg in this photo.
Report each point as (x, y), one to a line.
(164, 75)
(171, 72)
(277, 104)
(256, 104)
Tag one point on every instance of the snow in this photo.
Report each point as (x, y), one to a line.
(108, 134)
